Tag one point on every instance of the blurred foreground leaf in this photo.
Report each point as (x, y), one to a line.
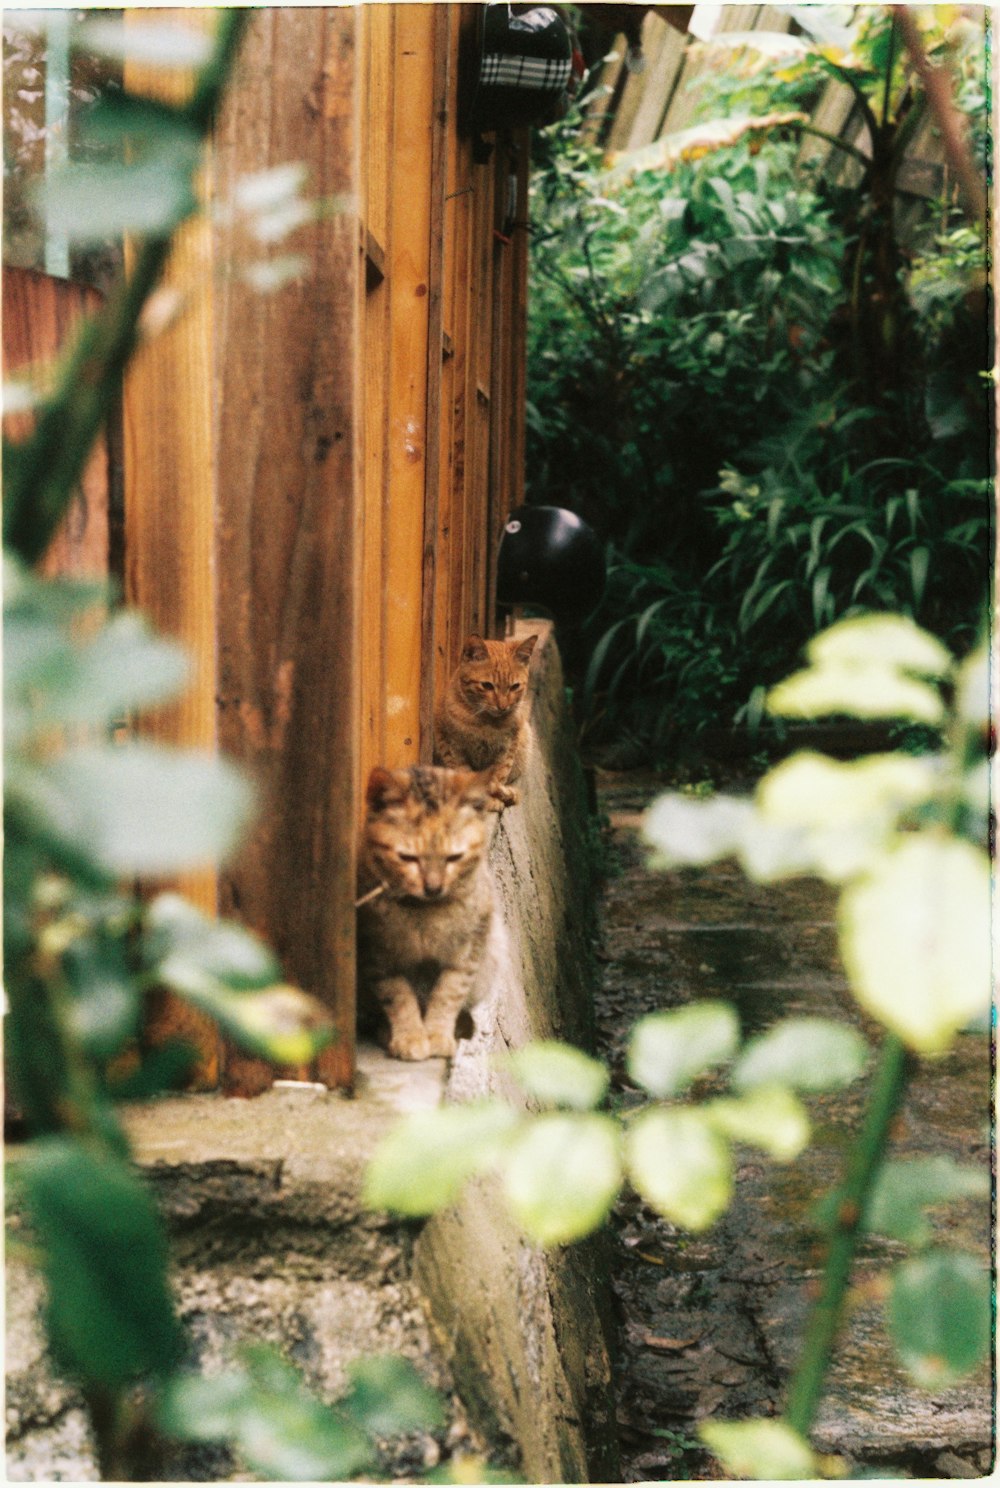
(108, 1312)
(559, 1075)
(668, 1050)
(759, 1449)
(680, 1165)
(562, 1174)
(806, 1053)
(423, 1163)
(940, 1316)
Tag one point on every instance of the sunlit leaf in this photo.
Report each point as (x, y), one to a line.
(861, 691)
(109, 1313)
(668, 1050)
(559, 1075)
(160, 45)
(265, 1411)
(972, 692)
(903, 1190)
(915, 939)
(806, 1053)
(143, 808)
(759, 1450)
(423, 1163)
(195, 946)
(812, 790)
(90, 202)
(387, 1396)
(686, 831)
(561, 1175)
(892, 641)
(769, 1116)
(266, 276)
(939, 1313)
(680, 1165)
(693, 143)
(262, 191)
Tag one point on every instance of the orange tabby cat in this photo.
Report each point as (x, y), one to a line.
(421, 936)
(480, 722)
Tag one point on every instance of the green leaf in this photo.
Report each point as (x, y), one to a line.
(864, 692)
(686, 831)
(279, 1429)
(903, 1190)
(806, 1053)
(89, 203)
(561, 1175)
(109, 1312)
(770, 1117)
(939, 1313)
(281, 1024)
(812, 790)
(423, 1163)
(876, 641)
(559, 1075)
(104, 1011)
(667, 1051)
(760, 1450)
(915, 939)
(680, 1165)
(123, 668)
(387, 1396)
(195, 946)
(146, 809)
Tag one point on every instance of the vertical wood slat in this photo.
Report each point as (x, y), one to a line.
(287, 523)
(169, 500)
(375, 289)
(436, 189)
(39, 316)
(409, 273)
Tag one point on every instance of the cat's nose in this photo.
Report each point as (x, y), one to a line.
(433, 887)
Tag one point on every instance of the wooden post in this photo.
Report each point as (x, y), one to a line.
(169, 516)
(287, 525)
(409, 271)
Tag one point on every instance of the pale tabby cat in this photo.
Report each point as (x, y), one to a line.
(422, 935)
(481, 721)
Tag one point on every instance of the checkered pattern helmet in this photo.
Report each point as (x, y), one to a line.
(524, 67)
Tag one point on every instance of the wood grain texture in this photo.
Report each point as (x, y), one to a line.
(286, 533)
(409, 273)
(169, 562)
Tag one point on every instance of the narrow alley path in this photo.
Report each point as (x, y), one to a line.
(710, 1324)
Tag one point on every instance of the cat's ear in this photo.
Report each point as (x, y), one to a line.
(523, 649)
(384, 789)
(475, 649)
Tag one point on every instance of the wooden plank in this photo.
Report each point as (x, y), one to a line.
(654, 33)
(447, 593)
(378, 23)
(665, 53)
(436, 188)
(686, 93)
(169, 515)
(39, 317)
(409, 271)
(286, 534)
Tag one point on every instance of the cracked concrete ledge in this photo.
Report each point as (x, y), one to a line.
(270, 1239)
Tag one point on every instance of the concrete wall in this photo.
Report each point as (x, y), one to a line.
(270, 1239)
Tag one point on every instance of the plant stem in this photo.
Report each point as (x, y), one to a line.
(863, 1165)
(44, 472)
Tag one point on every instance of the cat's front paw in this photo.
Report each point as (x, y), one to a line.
(409, 1046)
(441, 1043)
(503, 795)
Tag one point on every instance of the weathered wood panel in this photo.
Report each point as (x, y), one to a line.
(169, 513)
(287, 521)
(409, 264)
(39, 316)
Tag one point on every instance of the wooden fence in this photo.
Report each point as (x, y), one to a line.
(315, 480)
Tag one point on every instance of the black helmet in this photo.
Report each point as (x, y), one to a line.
(550, 558)
(520, 68)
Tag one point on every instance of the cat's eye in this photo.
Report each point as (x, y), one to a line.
(515, 687)
(488, 687)
(454, 857)
(407, 857)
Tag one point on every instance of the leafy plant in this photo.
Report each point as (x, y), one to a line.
(904, 840)
(770, 405)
